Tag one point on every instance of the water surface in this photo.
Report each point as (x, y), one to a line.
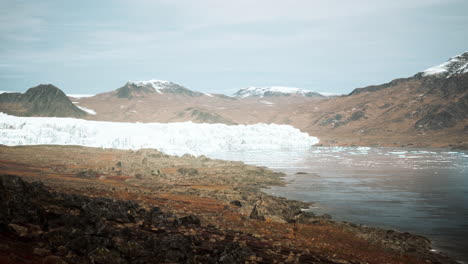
(423, 191)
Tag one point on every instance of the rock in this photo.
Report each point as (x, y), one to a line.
(233, 254)
(190, 220)
(326, 217)
(87, 244)
(254, 214)
(62, 251)
(132, 250)
(104, 256)
(88, 174)
(187, 171)
(154, 217)
(41, 252)
(53, 260)
(173, 248)
(356, 115)
(20, 230)
(236, 203)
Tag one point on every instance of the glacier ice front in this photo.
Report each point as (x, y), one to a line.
(171, 138)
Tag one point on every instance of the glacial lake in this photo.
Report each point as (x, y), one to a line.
(422, 191)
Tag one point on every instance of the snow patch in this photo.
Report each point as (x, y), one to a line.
(454, 66)
(266, 102)
(7, 92)
(80, 95)
(158, 85)
(264, 91)
(87, 110)
(172, 138)
(328, 94)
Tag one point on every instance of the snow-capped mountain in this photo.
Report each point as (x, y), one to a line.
(274, 91)
(456, 65)
(139, 88)
(160, 86)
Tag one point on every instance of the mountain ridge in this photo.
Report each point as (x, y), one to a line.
(441, 74)
(274, 91)
(408, 111)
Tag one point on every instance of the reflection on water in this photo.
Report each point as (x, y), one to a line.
(424, 191)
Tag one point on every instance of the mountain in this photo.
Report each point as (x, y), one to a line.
(440, 77)
(142, 88)
(42, 100)
(427, 109)
(274, 91)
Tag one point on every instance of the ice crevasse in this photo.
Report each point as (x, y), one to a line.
(171, 138)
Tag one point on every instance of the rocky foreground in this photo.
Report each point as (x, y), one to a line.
(86, 205)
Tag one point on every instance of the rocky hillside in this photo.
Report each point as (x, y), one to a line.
(428, 108)
(42, 100)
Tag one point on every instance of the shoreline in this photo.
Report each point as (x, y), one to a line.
(200, 185)
(365, 226)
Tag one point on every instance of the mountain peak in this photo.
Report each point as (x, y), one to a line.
(132, 88)
(44, 91)
(41, 100)
(455, 65)
(274, 91)
(157, 85)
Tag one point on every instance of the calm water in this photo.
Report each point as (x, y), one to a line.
(423, 191)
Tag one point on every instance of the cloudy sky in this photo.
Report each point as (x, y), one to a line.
(221, 46)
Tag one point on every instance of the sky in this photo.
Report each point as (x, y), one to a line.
(220, 46)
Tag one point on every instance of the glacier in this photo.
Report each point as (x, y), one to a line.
(171, 138)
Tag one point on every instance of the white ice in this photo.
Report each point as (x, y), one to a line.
(172, 138)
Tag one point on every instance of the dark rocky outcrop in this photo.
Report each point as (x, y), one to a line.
(443, 116)
(42, 100)
(338, 120)
(69, 228)
(203, 116)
